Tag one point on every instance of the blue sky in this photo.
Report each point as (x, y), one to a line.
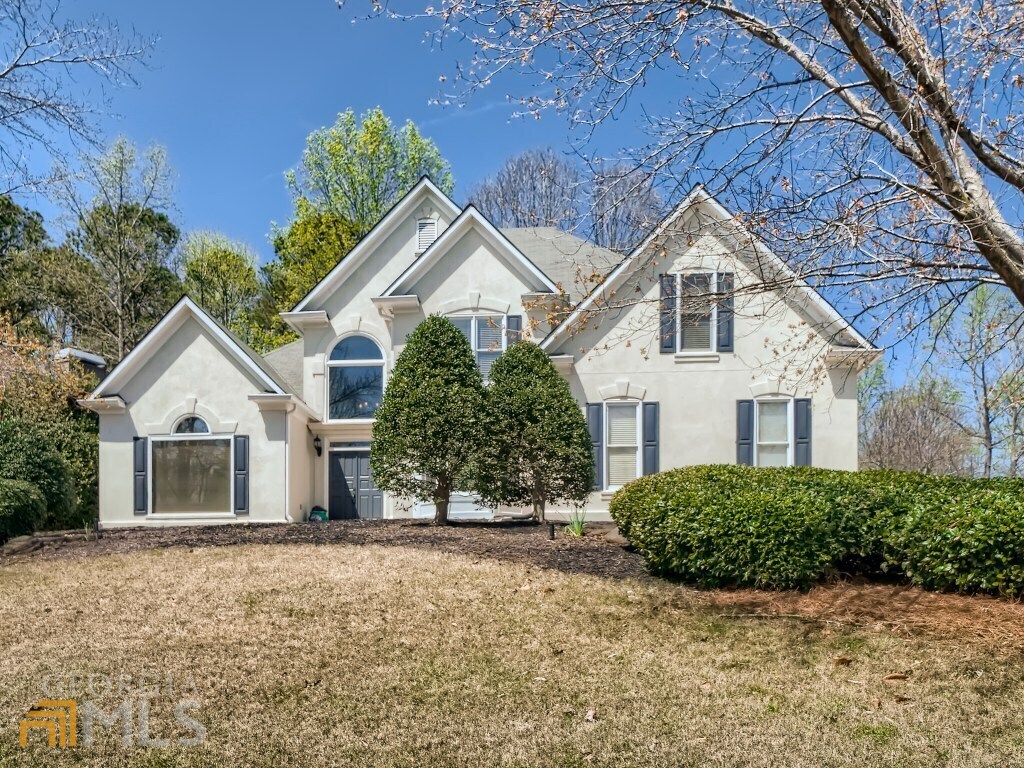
(233, 89)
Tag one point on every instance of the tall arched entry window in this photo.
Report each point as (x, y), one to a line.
(355, 378)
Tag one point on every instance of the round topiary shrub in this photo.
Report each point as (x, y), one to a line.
(967, 537)
(732, 525)
(22, 508)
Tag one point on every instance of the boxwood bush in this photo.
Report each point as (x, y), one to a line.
(22, 508)
(789, 527)
(27, 454)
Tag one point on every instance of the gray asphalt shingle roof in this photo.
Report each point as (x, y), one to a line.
(571, 262)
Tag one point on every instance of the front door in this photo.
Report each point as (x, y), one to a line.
(352, 493)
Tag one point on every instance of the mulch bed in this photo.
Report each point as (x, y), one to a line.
(897, 609)
(509, 542)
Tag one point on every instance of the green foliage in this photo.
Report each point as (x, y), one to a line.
(427, 426)
(220, 274)
(22, 508)
(966, 536)
(537, 448)
(359, 167)
(725, 525)
(114, 277)
(306, 250)
(26, 455)
(22, 241)
(790, 527)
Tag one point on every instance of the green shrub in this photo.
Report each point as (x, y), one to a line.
(731, 525)
(26, 454)
(22, 507)
(789, 527)
(968, 537)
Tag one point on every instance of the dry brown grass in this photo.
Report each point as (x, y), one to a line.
(396, 656)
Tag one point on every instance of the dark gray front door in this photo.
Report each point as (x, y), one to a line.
(352, 493)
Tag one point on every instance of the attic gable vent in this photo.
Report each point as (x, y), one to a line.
(426, 233)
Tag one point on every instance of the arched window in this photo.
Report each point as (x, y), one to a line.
(355, 378)
(192, 425)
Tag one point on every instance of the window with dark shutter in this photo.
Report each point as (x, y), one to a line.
(725, 290)
(745, 432)
(669, 315)
(802, 432)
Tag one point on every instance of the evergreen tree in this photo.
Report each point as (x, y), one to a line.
(536, 450)
(428, 424)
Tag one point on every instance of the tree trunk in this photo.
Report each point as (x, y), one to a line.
(442, 500)
(538, 503)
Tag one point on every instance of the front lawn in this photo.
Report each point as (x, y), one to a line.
(387, 655)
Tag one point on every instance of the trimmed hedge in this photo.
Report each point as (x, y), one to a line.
(22, 508)
(789, 527)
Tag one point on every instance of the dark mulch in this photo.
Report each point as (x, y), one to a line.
(515, 542)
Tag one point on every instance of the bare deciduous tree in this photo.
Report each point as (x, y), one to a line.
(536, 188)
(915, 429)
(609, 204)
(44, 58)
(876, 145)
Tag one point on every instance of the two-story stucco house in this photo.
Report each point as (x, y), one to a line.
(197, 428)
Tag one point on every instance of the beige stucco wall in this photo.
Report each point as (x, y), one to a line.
(779, 350)
(191, 372)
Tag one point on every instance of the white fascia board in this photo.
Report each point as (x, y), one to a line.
(104, 404)
(469, 219)
(286, 402)
(375, 237)
(153, 340)
(300, 321)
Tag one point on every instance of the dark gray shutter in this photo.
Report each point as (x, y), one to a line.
(514, 327)
(745, 432)
(595, 425)
(669, 317)
(725, 312)
(651, 428)
(140, 485)
(241, 474)
(802, 433)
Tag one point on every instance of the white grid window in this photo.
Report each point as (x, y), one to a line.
(774, 430)
(487, 336)
(622, 443)
(426, 233)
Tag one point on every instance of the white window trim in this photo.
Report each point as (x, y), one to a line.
(608, 487)
(474, 337)
(790, 429)
(150, 499)
(712, 289)
(328, 364)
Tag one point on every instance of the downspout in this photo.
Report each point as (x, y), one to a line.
(287, 462)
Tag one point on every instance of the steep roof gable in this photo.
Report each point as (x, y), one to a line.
(424, 189)
(471, 219)
(181, 312)
(823, 311)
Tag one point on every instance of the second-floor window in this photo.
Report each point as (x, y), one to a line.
(355, 379)
(696, 313)
(487, 337)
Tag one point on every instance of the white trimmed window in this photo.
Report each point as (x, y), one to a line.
(698, 314)
(773, 429)
(487, 336)
(622, 443)
(426, 233)
(191, 470)
(355, 378)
